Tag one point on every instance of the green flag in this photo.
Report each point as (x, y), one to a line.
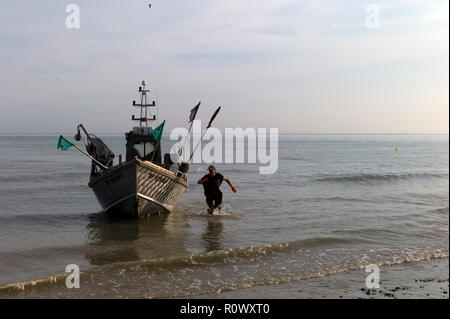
(63, 144)
(157, 132)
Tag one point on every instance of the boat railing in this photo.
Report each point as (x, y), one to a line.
(182, 175)
(178, 174)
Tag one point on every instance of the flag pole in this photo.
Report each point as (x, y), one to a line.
(204, 132)
(187, 136)
(100, 164)
(192, 154)
(158, 136)
(190, 126)
(154, 151)
(185, 139)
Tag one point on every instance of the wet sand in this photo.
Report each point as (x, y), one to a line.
(429, 279)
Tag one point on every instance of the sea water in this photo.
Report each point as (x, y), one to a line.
(337, 203)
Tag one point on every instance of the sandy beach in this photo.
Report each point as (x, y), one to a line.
(422, 280)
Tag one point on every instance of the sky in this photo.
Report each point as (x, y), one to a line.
(300, 66)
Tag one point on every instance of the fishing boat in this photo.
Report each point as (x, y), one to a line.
(145, 183)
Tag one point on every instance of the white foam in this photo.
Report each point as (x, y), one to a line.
(224, 210)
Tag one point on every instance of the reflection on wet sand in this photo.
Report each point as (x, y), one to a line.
(120, 240)
(211, 238)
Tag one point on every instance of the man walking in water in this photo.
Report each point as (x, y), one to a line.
(211, 184)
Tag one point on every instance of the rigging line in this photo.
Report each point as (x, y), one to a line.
(157, 109)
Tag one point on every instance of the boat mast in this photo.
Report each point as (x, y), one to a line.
(144, 119)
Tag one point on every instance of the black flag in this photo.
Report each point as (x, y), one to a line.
(213, 117)
(194, 112)
(204, 132)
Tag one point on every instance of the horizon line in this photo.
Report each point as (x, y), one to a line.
(285, 133)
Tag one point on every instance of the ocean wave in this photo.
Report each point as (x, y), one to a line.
(212, 257)
(45, 218)
(331, 198)
(230, 255)
(42, 177)
(42, 190)
(378, 177)
(215, 272)
(440, 210)
(245, 284)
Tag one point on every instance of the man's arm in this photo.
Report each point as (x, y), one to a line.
(231, 185)
(203, 180)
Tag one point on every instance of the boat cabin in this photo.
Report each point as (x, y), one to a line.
(141, 144)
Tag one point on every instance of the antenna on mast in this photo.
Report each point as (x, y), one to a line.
(143, 119)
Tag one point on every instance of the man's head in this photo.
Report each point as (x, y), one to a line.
(212, 170)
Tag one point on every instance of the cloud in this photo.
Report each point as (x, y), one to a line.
(243, 54)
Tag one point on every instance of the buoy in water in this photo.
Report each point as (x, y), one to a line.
(396, 148)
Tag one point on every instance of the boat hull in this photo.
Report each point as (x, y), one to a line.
(137, 188)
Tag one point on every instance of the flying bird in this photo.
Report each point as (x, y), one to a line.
(149, 5)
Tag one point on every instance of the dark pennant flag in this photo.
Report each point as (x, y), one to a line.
(213, 117)
(194, 112)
